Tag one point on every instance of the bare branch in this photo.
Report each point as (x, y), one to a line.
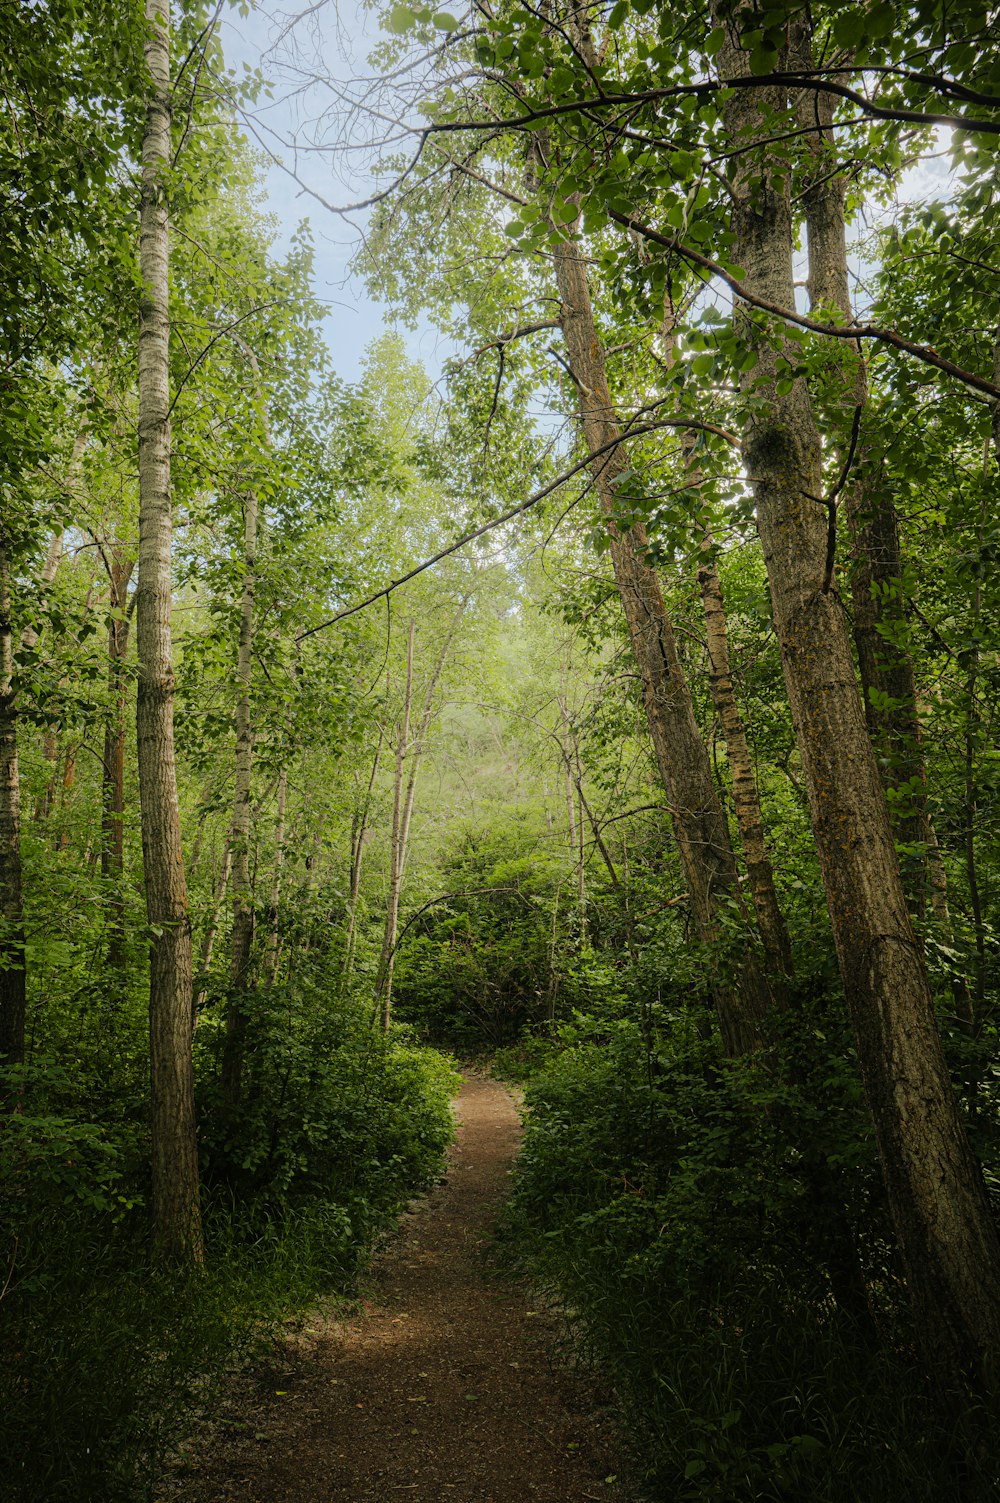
(478, 532)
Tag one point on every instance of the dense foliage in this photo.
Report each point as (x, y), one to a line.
(663, 1199)
(107, 1351)
(622, 703)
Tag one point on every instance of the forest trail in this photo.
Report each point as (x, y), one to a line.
(443, 1387)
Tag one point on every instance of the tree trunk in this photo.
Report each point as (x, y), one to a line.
(212, 928)
(387, 960)
(243, 916)
(65, 800)
(29, 636)
(995, 406)
(218, 899)
(53, 557)
(936, 1194)
(359, 835)
(13, 975)
(581, 873)
(271, 955)
(698, 819)
(401, 832)
(770, 919)
(113, 764)
(573, 827)
(50, 754)
(876, 574)
(175, 1187)
(12, 958)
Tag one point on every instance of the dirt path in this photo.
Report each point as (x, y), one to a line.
(443, 1388)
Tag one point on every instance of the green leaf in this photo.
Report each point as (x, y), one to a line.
(849, 28)
(682, 164)
(400, 19)
(762, 60)
(880, 21)
(446, 22)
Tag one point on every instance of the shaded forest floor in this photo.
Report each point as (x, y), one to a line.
(442, 1386)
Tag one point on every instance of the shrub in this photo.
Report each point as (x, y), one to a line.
(662, 1195)
(105, 1353)
(334, 1113)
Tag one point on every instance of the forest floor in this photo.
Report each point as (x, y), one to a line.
(442, 1385)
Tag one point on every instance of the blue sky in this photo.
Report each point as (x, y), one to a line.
(345, 34)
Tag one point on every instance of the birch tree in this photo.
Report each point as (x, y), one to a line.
(176, 1209)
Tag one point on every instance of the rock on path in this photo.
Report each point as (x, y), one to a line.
(442, 1388)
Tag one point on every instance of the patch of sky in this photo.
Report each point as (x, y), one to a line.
(311, 131)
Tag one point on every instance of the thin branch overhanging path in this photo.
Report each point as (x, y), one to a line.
(637, 431)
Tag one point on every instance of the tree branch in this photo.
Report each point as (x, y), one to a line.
(478, 532)
(922, 352)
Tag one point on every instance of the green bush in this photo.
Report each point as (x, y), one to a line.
(663, 1196)
(105, 1353)
(334, 1112)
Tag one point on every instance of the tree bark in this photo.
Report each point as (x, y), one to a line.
(175, 1187)
(29, 636)
(770, 919)
(53, 556)
(935, 1190)
(358, 836)
(65, 797)
(774, 934)
(995, 406)
(387, 959)
(876, 572)
(272, 952)
(212, 928)
(574, 825)
(13, 972)
(403, 806)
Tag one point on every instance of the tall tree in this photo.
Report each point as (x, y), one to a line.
(176, 1206)
(239, 841)
(409, 751)
(877, 576)
(946, 1233)
(698, 819)
(119, 567)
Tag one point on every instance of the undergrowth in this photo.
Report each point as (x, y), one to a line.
(663, 1197)
(105, 1354)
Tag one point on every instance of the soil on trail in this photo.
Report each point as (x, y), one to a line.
(443, 1387)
